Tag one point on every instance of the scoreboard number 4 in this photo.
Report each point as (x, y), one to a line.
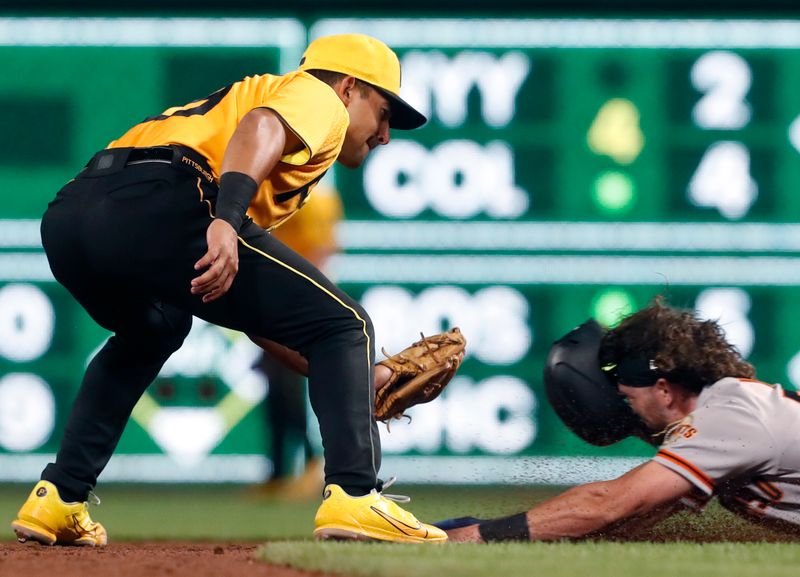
(722, 180)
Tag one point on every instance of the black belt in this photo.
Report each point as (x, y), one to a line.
(112, 160)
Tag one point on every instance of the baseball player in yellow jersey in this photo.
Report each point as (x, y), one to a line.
(720, 433)
(169, 221)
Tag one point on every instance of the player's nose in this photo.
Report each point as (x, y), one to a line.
(383, 133)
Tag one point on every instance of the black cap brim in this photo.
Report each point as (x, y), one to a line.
(404, 116)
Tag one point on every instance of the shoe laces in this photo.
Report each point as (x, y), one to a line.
(82, 520)
(396, 498)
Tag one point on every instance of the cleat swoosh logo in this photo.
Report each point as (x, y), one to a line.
(404, 528)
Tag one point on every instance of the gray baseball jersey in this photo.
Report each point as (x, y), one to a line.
(741, 444)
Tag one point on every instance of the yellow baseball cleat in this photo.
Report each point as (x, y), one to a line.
(373, 517)
(45, 518)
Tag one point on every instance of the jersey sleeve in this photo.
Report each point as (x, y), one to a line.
(313, 111)
(720, 441)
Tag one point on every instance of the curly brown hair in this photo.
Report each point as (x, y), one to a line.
(686, 349)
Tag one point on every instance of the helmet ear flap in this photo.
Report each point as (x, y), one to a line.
(580, 393)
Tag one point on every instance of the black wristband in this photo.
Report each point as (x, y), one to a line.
(236, 190)
(513, 528)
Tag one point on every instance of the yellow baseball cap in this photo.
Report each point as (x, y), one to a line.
(369, 60)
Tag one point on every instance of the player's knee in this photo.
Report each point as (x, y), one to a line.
(368, 331)
(364, 323)
(162, 330)
(368, 326)
(170, 326)
(354, 328)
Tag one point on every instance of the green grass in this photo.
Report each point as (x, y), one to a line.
(535, 559)
(712, 544)
(189, 512)
(183, 513)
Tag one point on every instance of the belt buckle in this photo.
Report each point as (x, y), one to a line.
(108, 161)
(165, 154)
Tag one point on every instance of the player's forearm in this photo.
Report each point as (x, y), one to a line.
(298, 363)
(639, 526)
(591, 509)
(284, 355)
(640, 494)
(581, 511)
(577, 513)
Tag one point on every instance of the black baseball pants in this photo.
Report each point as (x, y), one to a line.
(123, 238)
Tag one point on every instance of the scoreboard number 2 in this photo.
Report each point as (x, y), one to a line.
(725, 79)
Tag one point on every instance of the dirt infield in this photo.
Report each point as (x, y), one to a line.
(138, 560)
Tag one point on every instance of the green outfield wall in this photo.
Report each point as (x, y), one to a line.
(571, 168)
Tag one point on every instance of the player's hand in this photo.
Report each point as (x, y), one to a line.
(383, 374)
(221, 262)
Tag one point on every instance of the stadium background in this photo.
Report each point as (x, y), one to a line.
(573, 167)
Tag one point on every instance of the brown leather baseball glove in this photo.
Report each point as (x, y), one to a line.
(419, 373)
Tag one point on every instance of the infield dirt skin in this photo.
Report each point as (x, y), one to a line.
(139, 560)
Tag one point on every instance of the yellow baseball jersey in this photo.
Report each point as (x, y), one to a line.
(312, 231)
(309, 107)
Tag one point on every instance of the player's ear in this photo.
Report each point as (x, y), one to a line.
(663, 390)
(345, 88)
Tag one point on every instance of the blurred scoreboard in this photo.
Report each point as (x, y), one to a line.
(570, 168)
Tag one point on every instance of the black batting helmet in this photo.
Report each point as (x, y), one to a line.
(581, 394)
